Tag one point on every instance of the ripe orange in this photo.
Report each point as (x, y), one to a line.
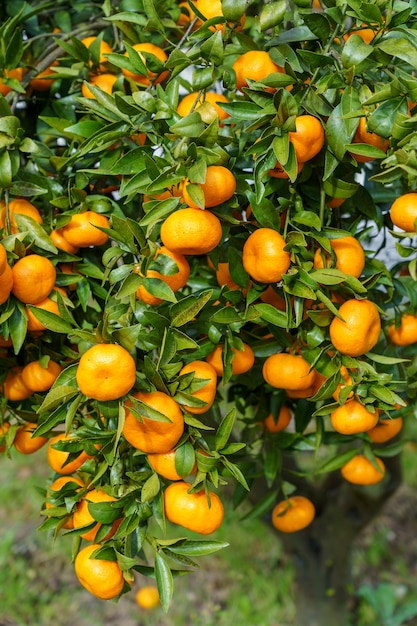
(192, 510)
(187, 16)
(211, 101)
(270, 296)
(273, 425)
(360, 471)
(24, 442)
(150, 77)
(106, 371)
(33, 278)
(213, 8)
(19, 206)
(294, 514)
(346, 382)
(366, 34)
(253, 65)
(82, 516)
(16, 73)
(206, 373)
(218, 187)
(38, 378)
(148, 597)
(175, 281)
(359, 331)
(307, 392)
(242, 360)
(264, 257)
(352, 418)
(308, 137)
(386, 429)
(163, 463)
(191, 231)
(3, 431)
(13, 387)
(105, 50)
(362, 135)
(81, 230)
(6, 284)
(102, 578)
(288, 371)
(223, 275)
(153, 435)
(62, 482)
(57, 458)
(41, 82)
(34, 325)
(350, 257)
(406, 333)
(3, 259)
(403, 212)
(103, 81)
(60, 242)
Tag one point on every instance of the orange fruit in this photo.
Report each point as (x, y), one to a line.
(3, 259)
(288, 371)
(307, 392)
(294, 514)
(60, 242)
(218, 187)
(187, 15)
(223, 276)
(403, 212)
(13, 387)
(350, 257)
(6, 284)
(279, 172)
(192, 510)
(254, 65)
(19, 206)
(213, 8)
(106, 371)
(148, 597)
(102, 578)
(24, 442)
(264, 257)
(39, 378)
(34, 325)
(308, 137)
(3, 431)
(211, 101)
(62, 482)
(104, 81)
(358, 330)
(81, 230)
(276, 425)
(163, 463)
(16, 73)
(385, 429)
(82, 516)
(105, 50)
(352, 418)
(154, 435)
(406, 333)
(41, 82)
(270, 296)
(242, 360)
(207, 375)
(346, 382)
(362, 135)
(175, 281)
(150, 77)
(191, 231)
(366, 34)
(57, 458)
(360, 471)
(33, 278)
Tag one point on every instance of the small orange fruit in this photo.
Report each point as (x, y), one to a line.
(358, 330)
(273, 425)
(41, 82)
(191, 231)
(223, 276)
(294, 514)
(6, 284)
(175, 281)
(102, 578)
(352, 418)
(193, 101)
(82, 516)
(106, 371)
(386, 429)
(19, 206)
(104, 81)
(213, 8)
(33, 278)
(308, 137)
(406, 333)
(39, 378)
(346, 382)
(264, 257)
(60, 242)
(288, 371)
(350, 257)
(154, 435)
(163, 463)
(57, 458)
(192, 510)
(148, 597)
(3, 431)
(3, 259)
(65, 483)
(207, 375)
(254, 65)
(360, 471)
(362, 135)
(242, 360)
(14, 388)
(24, 442)
(150, 77)
(403, 212)
(16, 73)
(81, 230)
(218, 187)
(105, 50)
(34, 325)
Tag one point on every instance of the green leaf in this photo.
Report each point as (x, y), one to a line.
(36, 232)
(399, 47)
(225, 430)
(336, 462)
(150, 488)
(262, 507)
(105, 512)
(189, 126)
(199, 548)
(271, 315)
(6, 175)
(57, 396)
(164, 581)
(51, 321)
(355, 51)
(187, 308)
(272, 14)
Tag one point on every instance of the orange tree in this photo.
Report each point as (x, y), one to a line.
(203, 286)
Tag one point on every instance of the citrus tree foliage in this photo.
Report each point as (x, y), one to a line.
(125, 154)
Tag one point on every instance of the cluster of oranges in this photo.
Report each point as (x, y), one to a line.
(226, 260)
